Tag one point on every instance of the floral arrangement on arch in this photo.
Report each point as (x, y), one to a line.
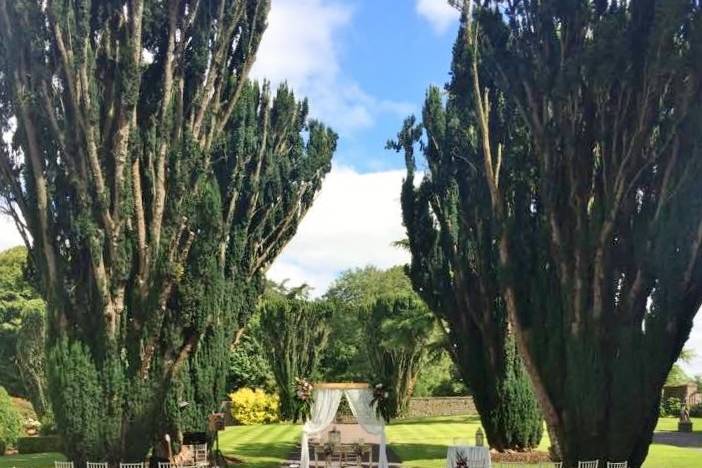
(381, 402)
(303, 395)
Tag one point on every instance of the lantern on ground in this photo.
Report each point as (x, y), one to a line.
(479, 437)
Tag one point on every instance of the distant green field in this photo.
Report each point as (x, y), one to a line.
(420, 443)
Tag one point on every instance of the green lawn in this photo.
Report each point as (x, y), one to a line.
(35, 460)
(420, 443)
(260, 446)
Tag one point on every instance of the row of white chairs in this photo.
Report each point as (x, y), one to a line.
(581, 464)
(121, 465)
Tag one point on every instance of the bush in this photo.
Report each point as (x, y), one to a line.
(39, 444)
(10, 422)
(696, 411)
(254, 407)
(672, 406)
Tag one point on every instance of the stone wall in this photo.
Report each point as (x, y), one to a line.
(419, 407)
(441, 406)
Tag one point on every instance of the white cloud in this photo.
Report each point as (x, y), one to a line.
(353, 223)
(439, 13)
(9, 237)
(302, 46)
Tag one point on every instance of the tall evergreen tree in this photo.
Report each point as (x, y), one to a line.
(154, 185)
(294, 332)
(599, 213)
(452, 234)
(398, 330)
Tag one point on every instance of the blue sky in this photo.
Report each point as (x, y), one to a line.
(364, 65)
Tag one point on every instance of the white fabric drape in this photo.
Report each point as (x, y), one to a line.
(324, 406)
(360, 402)
(326, 402)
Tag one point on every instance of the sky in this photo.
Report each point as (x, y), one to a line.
(364, 65)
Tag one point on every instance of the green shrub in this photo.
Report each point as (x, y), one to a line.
(254, 407)
(10, 422)
(696, 411)
(39, 444)
(672, 406)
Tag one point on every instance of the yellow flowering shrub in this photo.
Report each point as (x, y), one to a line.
(254, 407)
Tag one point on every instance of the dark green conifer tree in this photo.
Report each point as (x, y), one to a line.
(294, 332)
(398, 330)
(593, 192)
(603, 257)
(452, 237)
(154, 184)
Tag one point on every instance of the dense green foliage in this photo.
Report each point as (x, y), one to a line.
(295, 333)
(351, 293)
(254, 406)
(156, 188)
(453, 237)
(10, 421)
(346, 357)
(21, 332)
(248, 364)
(605, 264)
(398, 331)
(578, 172)
(39, 444)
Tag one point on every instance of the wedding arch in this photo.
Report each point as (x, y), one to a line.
(326, 398)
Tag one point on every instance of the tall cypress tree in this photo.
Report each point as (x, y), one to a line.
(452, 237)
(153, 184)
(294, 332)
(604, 261)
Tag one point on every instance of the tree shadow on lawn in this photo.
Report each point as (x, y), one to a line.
(679, 439)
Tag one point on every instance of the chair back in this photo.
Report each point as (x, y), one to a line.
(131, 465)
(618, 464)
(588, 464)
(58, 464)
(166, 465)
(200, 453)
(96, 465)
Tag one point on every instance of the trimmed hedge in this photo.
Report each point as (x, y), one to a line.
(39, 444)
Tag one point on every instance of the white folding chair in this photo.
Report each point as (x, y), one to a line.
(588, 464)
(58, 464)
(165, 465)
(131, 465)
(96, 465)
(618, 464)
(200, 451)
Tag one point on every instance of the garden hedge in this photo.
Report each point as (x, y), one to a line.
(39, 444)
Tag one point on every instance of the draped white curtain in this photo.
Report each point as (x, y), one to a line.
(324, 406)
(361, 405)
